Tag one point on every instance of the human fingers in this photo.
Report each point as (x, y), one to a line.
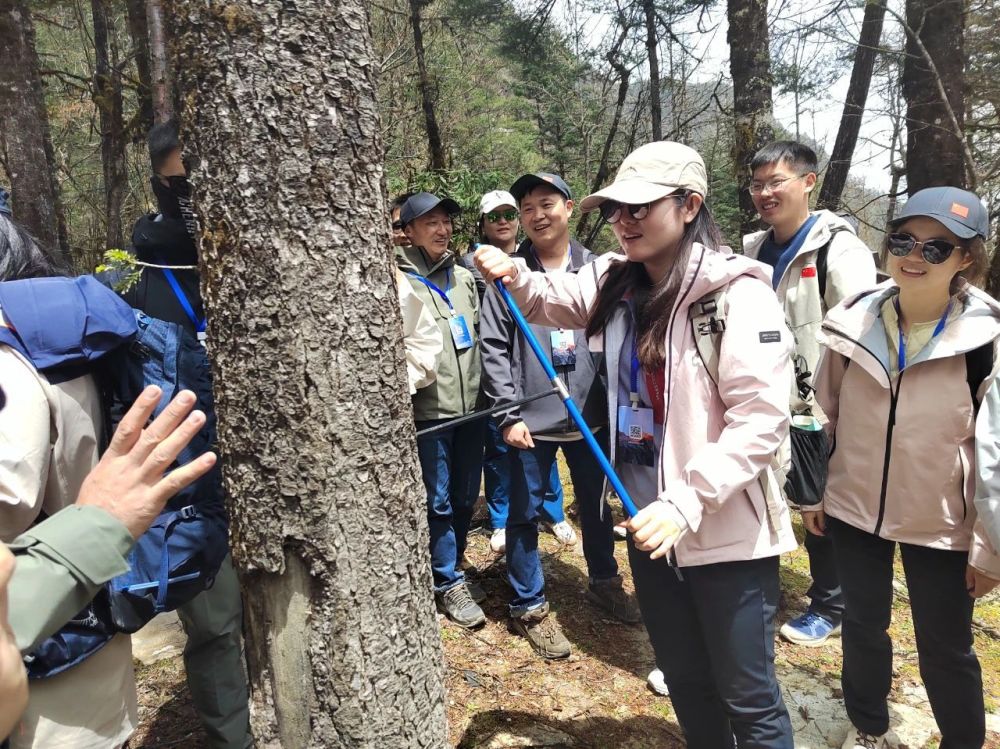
(163, 425)
(182, 477)
(664, 548)
(653, 540)
(166, 452)
(130, 427)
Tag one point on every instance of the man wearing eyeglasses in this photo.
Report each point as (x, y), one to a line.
(540, 429)
(818, 261)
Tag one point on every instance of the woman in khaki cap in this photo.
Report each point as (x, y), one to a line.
(697, 434)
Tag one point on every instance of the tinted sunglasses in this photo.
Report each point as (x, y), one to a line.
(493, 216)
(935, 251)
(397, 225)
(611, 210)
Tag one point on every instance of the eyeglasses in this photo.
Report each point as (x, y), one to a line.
(772, 185)
(611, 210)
(935, 251)
(493, 216)
(397, 225)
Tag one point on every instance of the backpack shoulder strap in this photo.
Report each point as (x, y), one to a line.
(978, 365)
(822, 256)
(708, 323)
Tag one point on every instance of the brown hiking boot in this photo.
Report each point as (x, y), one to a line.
(611, 596)
(542, 632)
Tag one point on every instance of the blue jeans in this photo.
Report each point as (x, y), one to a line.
(530, 472)
(451, 462)
(496, 478)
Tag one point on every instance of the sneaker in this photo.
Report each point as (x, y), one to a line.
(809, 630)
(857, 739)
(563, 531)
(476, 591)
(457, 605)
(620, 533)
(656, 683)
(542, 632)
(611, 596)
(498, 541)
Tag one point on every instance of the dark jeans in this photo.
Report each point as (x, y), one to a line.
(824, 594)
(942, 619)
(530, 472)
(451, 462)
(713, 636)
(496, 481)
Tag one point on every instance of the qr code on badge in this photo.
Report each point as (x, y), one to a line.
(635, 432)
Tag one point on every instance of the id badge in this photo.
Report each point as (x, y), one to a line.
(563, 348)
(460, 332)
(202, 338)
(636, 443)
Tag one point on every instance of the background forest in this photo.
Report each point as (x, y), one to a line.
(475, 92)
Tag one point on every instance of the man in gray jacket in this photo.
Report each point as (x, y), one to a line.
(818, 261)
(539, 429)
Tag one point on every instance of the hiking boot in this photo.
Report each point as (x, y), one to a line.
(542, 632)
(457, 605)
(809, 630)
(498, 541)
(563, 531)
(476, 591)
(857, 739)
(611, 596)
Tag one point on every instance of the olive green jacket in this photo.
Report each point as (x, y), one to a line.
(456, 388)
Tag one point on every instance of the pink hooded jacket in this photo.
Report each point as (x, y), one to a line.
(903, 465)
(716, 441)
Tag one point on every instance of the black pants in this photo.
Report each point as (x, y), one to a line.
(942, 620)
(713, 636)
(825, 597)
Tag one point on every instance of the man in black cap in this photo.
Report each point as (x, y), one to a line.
(450, 461)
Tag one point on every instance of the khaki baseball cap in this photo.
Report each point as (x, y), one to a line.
(651, 172)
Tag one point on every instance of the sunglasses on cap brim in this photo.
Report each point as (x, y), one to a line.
(934, 251)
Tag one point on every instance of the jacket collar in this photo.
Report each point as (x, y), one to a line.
(578, 255)
(818, 236)
(416, 260)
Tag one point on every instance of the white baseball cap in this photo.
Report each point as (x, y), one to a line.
(651, 172)
(495, 199)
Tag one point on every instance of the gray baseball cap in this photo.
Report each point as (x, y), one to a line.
(959, 211)
(425, 202)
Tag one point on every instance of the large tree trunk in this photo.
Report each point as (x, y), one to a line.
(652, 55)
(108, 98)
(934, 150)
(25, 142)
(854, 105)
(162, 78)
(750, 67)
(139, 31)
(329, 525)
(438, 161)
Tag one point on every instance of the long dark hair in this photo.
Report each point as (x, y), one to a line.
(20, 255)
(653, 303)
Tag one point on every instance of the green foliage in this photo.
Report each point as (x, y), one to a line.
(125, 264)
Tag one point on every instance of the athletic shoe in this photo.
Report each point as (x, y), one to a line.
(498, 541)
(476, 591)
(457, 605)
(611, 596)
(563, 531)
(542, 632)
(656, 683)
(809, 630)
(860, 740)
(620, 533)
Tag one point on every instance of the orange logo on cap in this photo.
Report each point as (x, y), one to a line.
(959, 210)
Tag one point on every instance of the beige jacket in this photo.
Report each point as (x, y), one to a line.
(48, 444)
(422, 341)
(903, 465)
(850, 270)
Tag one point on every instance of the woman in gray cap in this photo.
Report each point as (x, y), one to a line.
(905, 368)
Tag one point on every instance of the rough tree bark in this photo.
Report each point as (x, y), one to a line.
(434, 145)
(934, 150)
(329, 527)
(108, 99)
(854, 105)
(25, 140)
(750, 67)
(652, 55)
(139, 31)
(162, 80)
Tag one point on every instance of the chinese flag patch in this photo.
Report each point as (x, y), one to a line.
(809, 271)
(959, 210)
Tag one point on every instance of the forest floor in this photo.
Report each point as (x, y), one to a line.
(501, 695)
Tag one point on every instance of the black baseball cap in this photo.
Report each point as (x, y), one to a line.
(424, 202)
(528, 182)
(960, 211)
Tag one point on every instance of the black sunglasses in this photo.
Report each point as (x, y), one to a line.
(935, 251)
(397, 225)
(611, 210)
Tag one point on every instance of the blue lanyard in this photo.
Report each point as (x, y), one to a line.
(901, 360)
(437, 289)
(199, 325)
(634, 374)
